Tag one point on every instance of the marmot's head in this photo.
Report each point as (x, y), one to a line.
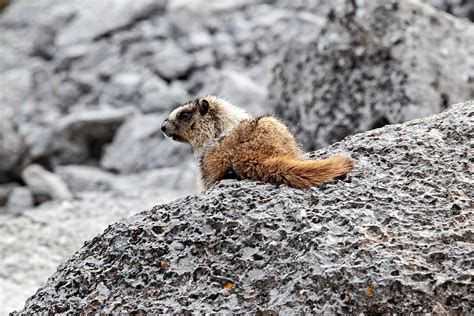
(202, 119)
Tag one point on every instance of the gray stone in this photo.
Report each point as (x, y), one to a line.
(224, 47)
(158, 96)
(19, 200)
(81, 136)
(37, 137)
(25, 12)
(391, 237)
(140, 145)
(15, 85)
(123, 89)
(204, 58)
(44, 182)
(238, 88)
(96, 18)
(80, 178)
(11, 147)
(5, 190)
(180, 177)
(378, 63)
(171, 61)
(186, 18)
(199, 40)
(43, 45)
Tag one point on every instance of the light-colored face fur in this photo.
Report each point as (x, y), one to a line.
(201, 120)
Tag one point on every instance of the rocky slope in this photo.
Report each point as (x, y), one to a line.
(394, 236)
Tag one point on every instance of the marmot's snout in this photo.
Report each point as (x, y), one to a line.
(165, 127)
(169, 130)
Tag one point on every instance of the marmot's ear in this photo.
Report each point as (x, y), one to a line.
(203, 106)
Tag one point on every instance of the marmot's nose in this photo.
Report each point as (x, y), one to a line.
(163, 126)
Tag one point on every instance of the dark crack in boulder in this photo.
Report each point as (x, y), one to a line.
(394, 236)
(376, 63)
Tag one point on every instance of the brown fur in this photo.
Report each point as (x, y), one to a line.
(255, 148)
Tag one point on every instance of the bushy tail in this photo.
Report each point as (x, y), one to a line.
(304, 173)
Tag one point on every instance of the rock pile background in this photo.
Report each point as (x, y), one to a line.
(84, 86)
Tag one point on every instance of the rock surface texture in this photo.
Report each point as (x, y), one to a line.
(376, 63)
(394, 236)
(34, 242)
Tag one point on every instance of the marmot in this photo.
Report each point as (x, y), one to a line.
(230, 143)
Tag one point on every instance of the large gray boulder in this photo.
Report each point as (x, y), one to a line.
(375, 63)
(391, 237)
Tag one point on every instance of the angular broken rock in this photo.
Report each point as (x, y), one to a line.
(81, 136)
(394, 236)
(44, 182)
(380, 62)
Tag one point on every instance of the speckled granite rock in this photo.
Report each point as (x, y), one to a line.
(377, 63)
(393, 236)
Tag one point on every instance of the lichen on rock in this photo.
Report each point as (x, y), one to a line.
(393, 236)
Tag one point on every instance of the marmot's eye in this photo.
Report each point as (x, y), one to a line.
(184, 115)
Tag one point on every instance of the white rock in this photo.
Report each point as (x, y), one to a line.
(42, 181)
